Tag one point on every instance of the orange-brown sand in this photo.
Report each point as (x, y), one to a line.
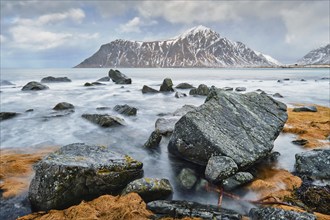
(312, 126)
(16, 169)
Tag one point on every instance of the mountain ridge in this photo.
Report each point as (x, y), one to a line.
(317, 56)
(197, 47)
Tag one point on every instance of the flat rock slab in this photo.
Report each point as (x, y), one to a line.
(274, 213)
(104, 120)
(79, 172)
(314, 163)
(180, 209)
(240, 126)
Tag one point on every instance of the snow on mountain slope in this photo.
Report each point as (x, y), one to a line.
(317, 56)
(198, 47)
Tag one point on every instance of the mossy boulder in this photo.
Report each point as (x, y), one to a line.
(79, 172)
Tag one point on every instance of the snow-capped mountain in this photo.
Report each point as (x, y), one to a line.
(317, 56)
(197, 47)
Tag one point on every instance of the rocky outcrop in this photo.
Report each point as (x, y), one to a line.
(147, 89)
(167, 86)
(79, 172)
(202, 90)
(63, 106)
(125, 110)
(240, 126)
(180, 209)
(154, 140)
(184, 86)
(275, 213)
(150, 189)
(51, 79)
(118, 77)
(7, 115)
(305, 109)
(219, 168)
(104, 120)
(314, 163)
(34, 86)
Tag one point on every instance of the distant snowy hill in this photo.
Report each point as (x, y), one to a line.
(197, 47)
(317, 56)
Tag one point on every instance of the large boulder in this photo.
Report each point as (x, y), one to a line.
(150, 189)
(167, 86)
(314, 163)
(240, 126)
(275, 213)
(104, 120)
(118, 77)
(180, 209)
(51, 79)
(202, 90)
(79, 172)
(34, 86)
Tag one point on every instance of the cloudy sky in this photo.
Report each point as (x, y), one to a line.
(62, 33)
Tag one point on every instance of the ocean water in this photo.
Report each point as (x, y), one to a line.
(39, 128)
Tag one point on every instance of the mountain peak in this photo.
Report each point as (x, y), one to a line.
(195, 30)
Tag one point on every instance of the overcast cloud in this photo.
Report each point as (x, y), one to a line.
(63, 33)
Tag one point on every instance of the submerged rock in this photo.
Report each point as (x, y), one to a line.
(34, 86)
(275, 213)
(184, 86)
(277, 95)
(202, 90)
(167, 86)
(79, 172)
(147, 89)
(63, 106)
(118, 77)
(219, 168)
(7, 115)
(305, 109)
(150, 189)
(51, 79)
(125, 110)
(154, 140)
(104, 120)
(314, 163)
(187, 178)
(180, 209)
(240, 126)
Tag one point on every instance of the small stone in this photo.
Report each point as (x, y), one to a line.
(63, 106)
(167, 86)
(240, 89)
(305, 109)
(184, 86)
(228, 88)
(237, 180)
(88, 84)
(300, 142)
(180, 95)
(187, 178)
(219, 168)
(147, 89)
(104, 120)
(278, 95)
(153, 140)
(125, 110)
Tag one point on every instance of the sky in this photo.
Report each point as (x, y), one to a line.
(62, 33)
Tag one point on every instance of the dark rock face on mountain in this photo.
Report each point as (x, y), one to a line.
(317, 56)
(197, 47)
(79, 172)
(240, 126)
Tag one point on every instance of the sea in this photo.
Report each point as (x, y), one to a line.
(42, 126)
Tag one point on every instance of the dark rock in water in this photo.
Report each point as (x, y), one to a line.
(30, 110)
(303, 80)
(150, 189)
(104, 79)
(240, 89)
(180, 209)
(187, 178)
(279, 81)
(259, 90)
(79, 172)
(275, 213)
(6, 83)
(34, 86)
(97, 84)
(240, 126)
(51, 79)
(184, 86)
(305, 109)
(314, 163)
(286, 79)
(184, 110)
(7, 115)
(125, 110)
(278, 95)
(103, 108)
(153, 140)
(166, 125)
(316, 198)
(88, 84)
(300, 142)
(118, 77)
(237, 180)
(228, 88)
(147, 89)
(167, 86)
(180, 95)
(202, 90)
(63, 106)
(219, 168)
(104, 120)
